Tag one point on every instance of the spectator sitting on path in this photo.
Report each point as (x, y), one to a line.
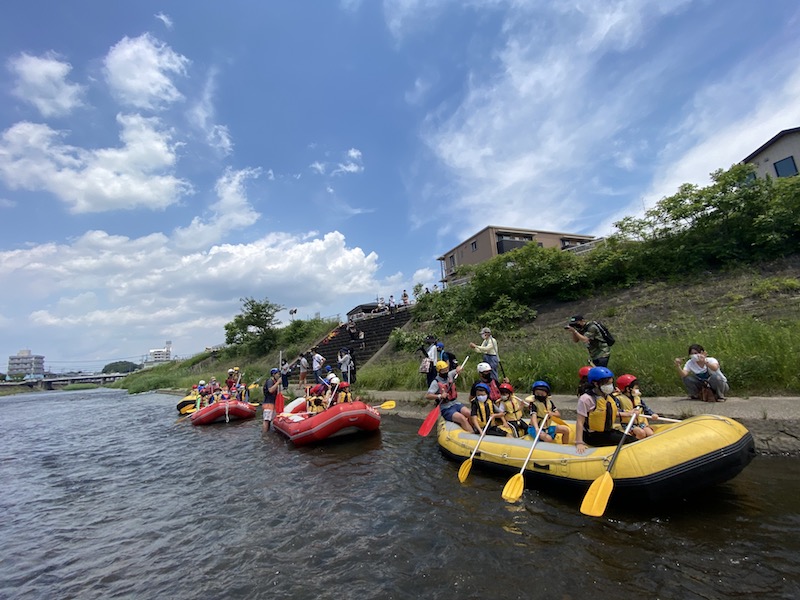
(700, 369)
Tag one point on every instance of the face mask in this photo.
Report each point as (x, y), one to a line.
(481, 398)
(695, 357)
(607, 388)
(487, 375)
(443, 374)
(540, 398)
(505, 397)
(637, 393)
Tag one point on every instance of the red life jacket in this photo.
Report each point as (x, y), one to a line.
(448, 390)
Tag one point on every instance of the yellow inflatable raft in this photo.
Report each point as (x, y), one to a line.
(681, 457)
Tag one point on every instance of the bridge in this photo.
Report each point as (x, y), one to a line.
(50, 383)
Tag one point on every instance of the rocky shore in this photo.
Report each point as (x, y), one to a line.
(773, 421)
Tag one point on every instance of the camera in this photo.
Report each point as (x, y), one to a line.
(567, 326)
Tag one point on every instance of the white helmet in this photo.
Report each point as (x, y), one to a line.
(334, 380)
(230, 371)
(330, 376)
(483, 367)
(202, 382)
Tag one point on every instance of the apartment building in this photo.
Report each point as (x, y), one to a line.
(492, 241)
(26, 363)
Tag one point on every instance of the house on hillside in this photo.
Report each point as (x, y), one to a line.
(492, 241)
(779, 156)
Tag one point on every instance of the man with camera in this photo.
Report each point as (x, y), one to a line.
(589, 334)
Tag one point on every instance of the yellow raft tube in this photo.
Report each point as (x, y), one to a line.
(698, 452)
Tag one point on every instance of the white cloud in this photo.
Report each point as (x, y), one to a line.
(42, 81)
(6, 203)
(164, 19)
(143, 290)
(135, 175)
(201, 115)
(318, 167)
(232, 211)
(354, 154)
(270, 175)
(138, 72)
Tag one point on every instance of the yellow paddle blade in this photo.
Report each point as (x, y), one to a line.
(463, 472)
(252, 386)
(513, 490)
(595, 501)
(388, 405)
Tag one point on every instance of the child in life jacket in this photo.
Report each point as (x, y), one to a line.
(598, 413)
(583, 373)
(513, 408)
(540, 406)
(483, 411)
(316, 398)
(629, 396)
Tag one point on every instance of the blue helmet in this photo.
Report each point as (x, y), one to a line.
(598, 373)
(482, 386)
(440, 345)
(273, 371)
(540, 384)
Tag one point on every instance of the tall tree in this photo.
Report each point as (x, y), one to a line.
(255, 328)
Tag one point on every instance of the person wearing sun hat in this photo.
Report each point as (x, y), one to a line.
(491, 354)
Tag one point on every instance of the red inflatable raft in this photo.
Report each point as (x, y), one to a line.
(341, 419)
(222, 412)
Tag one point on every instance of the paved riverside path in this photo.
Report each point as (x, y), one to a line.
(774, 421)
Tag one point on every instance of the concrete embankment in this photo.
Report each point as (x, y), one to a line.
(774, 422)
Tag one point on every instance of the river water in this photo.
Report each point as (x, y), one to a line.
(104, 496)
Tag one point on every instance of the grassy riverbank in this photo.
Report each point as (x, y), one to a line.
(746, 318)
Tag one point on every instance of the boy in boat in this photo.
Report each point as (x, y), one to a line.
(628, 397)
(583, 372)
(513, 409)
(271, 388)
(484, 410)
(540, 406)
(442, 390)
(598, 413)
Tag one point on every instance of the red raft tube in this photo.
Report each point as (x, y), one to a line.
(345, 418)
(223, 411)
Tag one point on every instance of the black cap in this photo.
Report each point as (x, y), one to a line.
(576, 318)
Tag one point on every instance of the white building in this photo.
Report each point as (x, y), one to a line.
(778, 157)
(159, 355)
(25, 363)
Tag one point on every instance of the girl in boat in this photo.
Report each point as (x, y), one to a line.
(629, 396)
(540, 406)
(598, 413)
(513, 409)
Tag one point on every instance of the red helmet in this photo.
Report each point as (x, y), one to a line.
(625, 381)
(343, 385)
(583, 372)
(506, 387)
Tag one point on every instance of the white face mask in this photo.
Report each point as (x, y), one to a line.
(607, 388)
(481, 398)
(637, 393)
(695, 357)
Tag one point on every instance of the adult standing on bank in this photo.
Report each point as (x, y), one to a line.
(590, 334)
(317, 360)
(491, 354)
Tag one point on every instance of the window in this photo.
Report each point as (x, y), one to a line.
(786, 167)
(474, 246)
(452, 260)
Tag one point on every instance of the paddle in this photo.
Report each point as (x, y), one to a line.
(513, 489)
(665, 419)
(279, 402)
(430, 420)
(595, 501)
(463, 471)
(254, 385)
(388, 405)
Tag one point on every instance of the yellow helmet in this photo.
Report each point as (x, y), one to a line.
(442, 365)
(235, 368)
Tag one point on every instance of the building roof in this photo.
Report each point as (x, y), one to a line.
(516, 230)
(774, 139)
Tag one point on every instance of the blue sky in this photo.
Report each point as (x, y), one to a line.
(161, 160)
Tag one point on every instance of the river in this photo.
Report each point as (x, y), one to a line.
(103, 495)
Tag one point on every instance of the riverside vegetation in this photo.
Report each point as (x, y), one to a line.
(715, 265)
